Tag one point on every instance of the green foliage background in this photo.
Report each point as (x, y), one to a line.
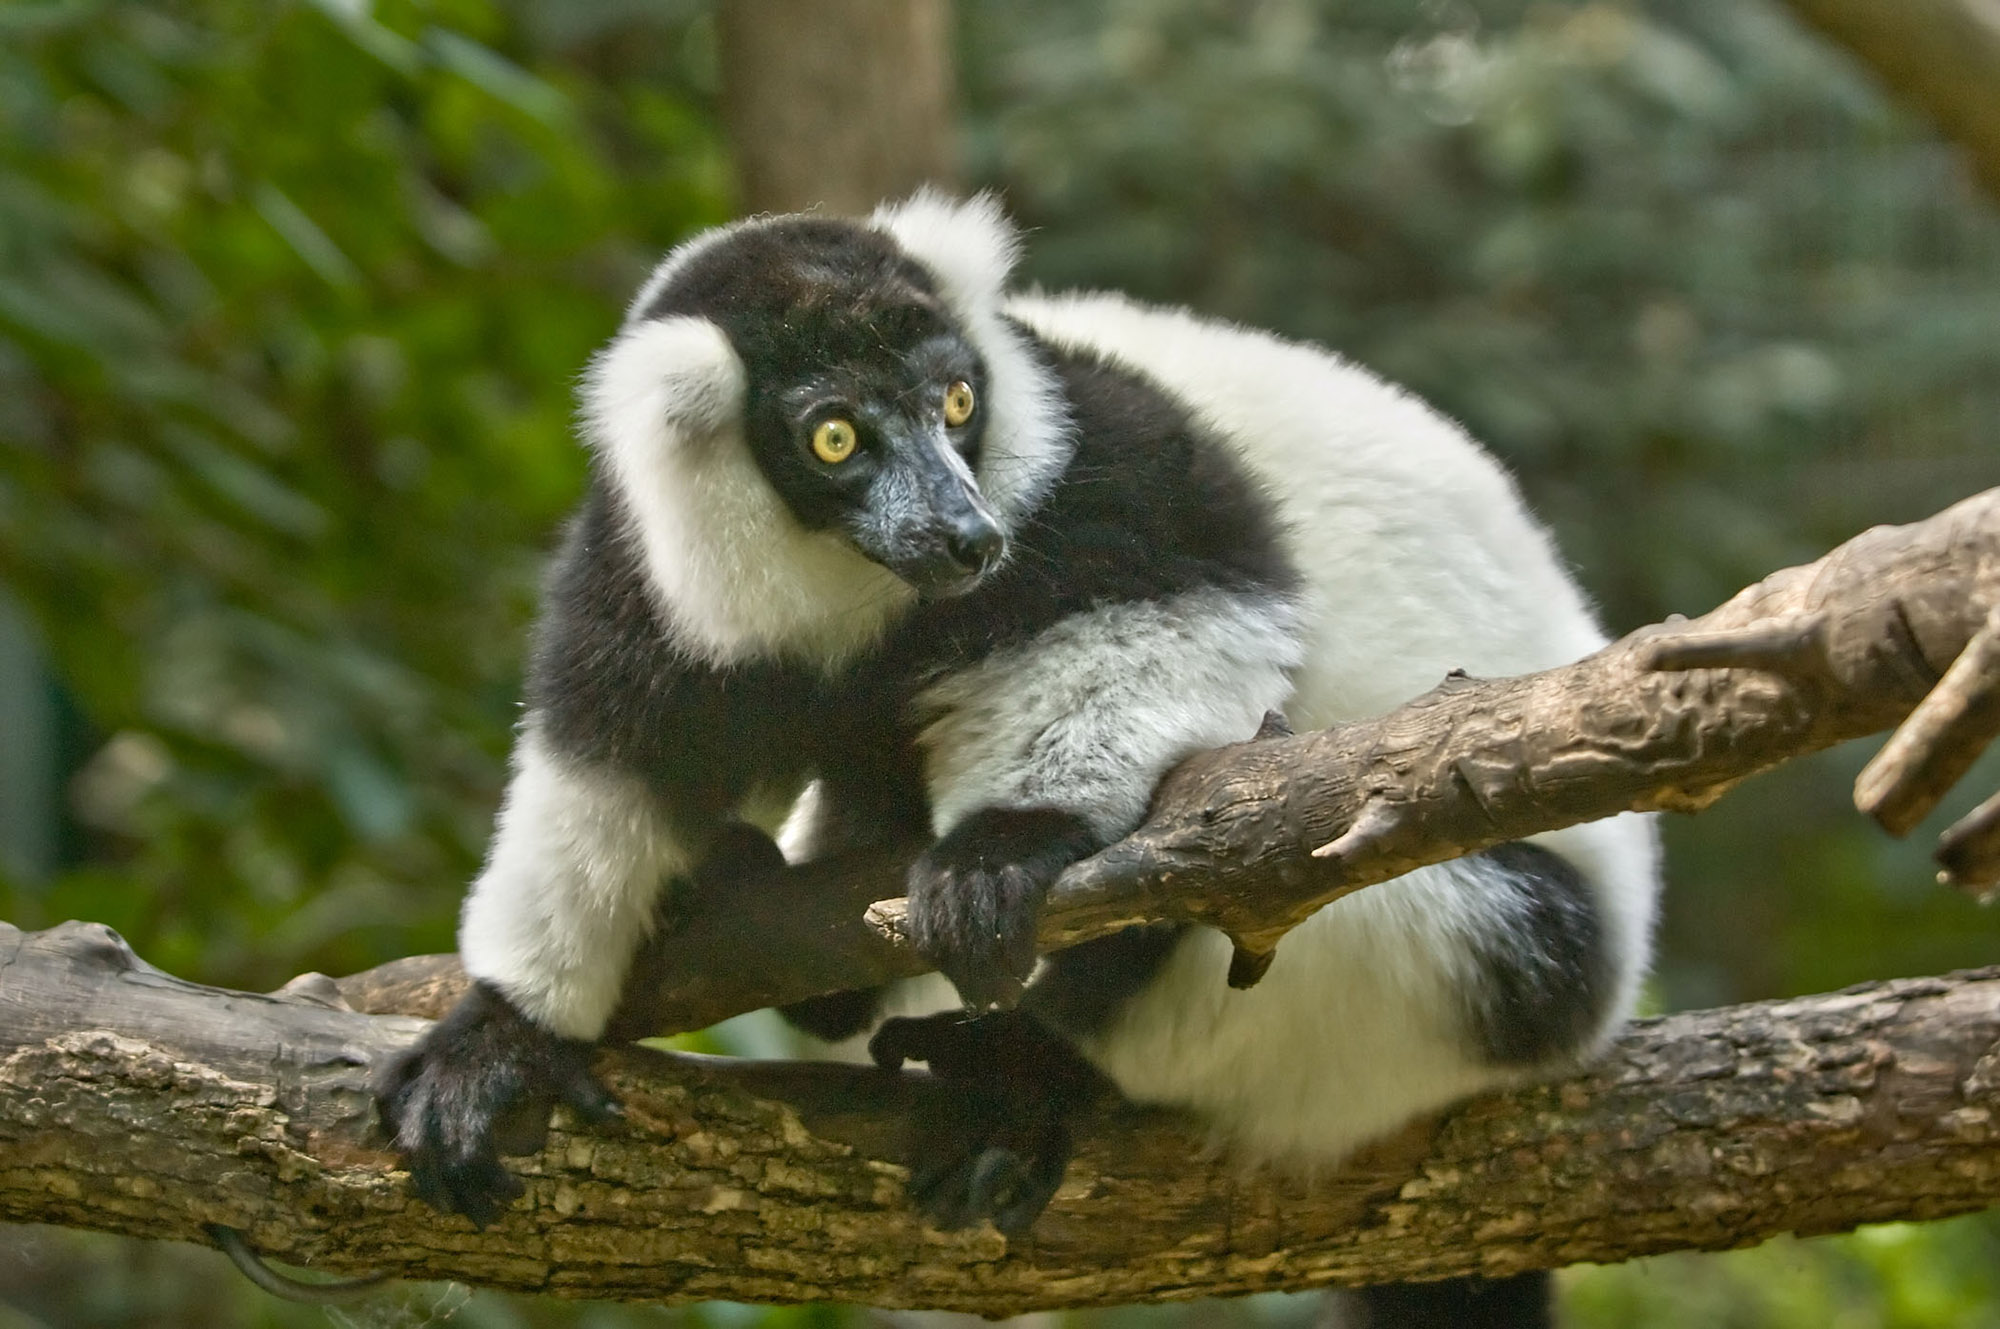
(292, 296)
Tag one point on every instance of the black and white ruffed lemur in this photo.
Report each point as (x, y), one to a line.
(983, 566)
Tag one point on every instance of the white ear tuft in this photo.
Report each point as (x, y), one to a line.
(657, 385)
(968, 243)
(970, 247)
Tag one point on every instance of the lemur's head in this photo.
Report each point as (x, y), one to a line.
(797, 404)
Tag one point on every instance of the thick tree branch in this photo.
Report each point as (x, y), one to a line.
(132, 1102)
(1829, 651)
(1940, 56)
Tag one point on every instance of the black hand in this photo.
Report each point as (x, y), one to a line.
(992, 1132)
(481, 1083)
(976, 895)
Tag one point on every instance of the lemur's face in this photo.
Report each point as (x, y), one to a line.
(876, 437)
(864, 402)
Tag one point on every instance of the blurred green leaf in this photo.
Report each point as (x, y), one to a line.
(291, 297)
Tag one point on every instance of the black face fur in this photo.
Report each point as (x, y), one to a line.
(832, 321)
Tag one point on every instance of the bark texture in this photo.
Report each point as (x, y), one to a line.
(135, 1103)
(1670, 717)
(1940, 56)
(836, 104)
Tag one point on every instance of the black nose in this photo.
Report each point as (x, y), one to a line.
(975, 544)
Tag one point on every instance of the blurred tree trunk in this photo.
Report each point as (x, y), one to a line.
(836, 103)
(1940, 56)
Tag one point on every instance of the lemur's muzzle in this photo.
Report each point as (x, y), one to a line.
(926, 520)
(966, 545)
(975, 544)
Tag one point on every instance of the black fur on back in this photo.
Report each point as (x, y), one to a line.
(1524, 1301)
(1150, 506)
(1081, 989)
(1544, 981)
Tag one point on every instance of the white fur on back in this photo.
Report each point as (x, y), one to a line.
(1358, 1027)
(577, 860)
(1090, 714)
(1419, 558)
(736, 573)
(1418, 553)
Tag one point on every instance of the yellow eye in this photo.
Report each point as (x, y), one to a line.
(834, 440)
(958, 404)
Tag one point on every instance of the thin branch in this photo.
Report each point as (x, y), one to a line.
(1795, 647)
(1969, 850)
(1940, 740)
(252, 1266)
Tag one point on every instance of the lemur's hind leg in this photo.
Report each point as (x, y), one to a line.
(992, 1132)
(994, 1127)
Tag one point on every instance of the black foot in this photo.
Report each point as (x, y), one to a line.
(976, 895)
(480, 1084)
(1524, 1301)
(740, 858)
(835, 1016)
(992, 1133)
